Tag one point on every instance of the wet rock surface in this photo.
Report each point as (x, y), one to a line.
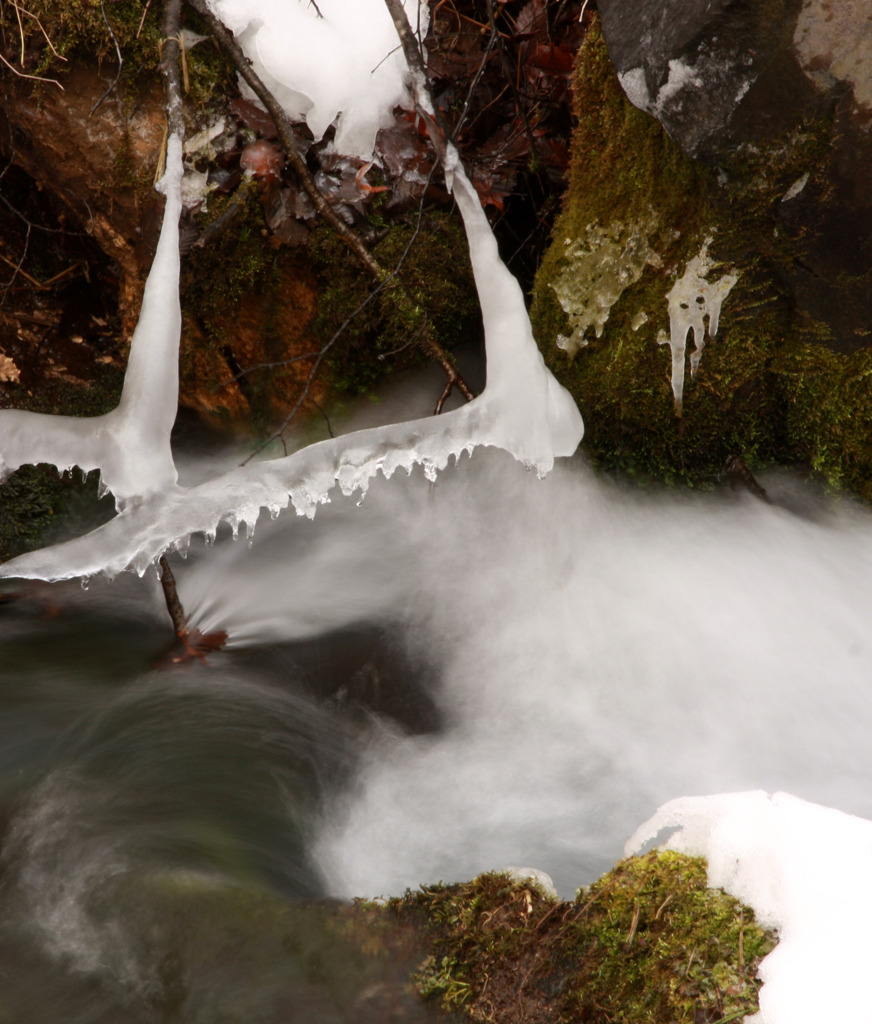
(735, 84)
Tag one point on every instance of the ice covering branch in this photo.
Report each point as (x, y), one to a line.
(523, 410)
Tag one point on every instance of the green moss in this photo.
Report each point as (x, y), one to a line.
(216, 277)
(438, 288)
(29, 499)
(830, 413)
(35, 500)
(628, 180)
(36, 503)
(77, 30)
(648, 943)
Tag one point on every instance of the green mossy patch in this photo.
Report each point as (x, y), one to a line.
(766, 389)
(76, 30)
(217, 277)
(36, 503)
(648, 943)
(369, 331)
(36, 499)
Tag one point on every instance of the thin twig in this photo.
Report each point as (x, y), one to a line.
(51, 45)
(171, 597)
(120, 61)
(323, 412)
(18, 269)
(519, 106)
(263, 366)
(34, 78)
(474, 84)
(42, 285)
(36, 227)
(277, 435)
(142, 19)
(170, 54)
(20, 29)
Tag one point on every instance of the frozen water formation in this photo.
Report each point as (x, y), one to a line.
(599, 269)
(692, 299)
(522, 410)
(805, 871)
(130, 445)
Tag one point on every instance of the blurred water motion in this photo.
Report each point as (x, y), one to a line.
(447, 678)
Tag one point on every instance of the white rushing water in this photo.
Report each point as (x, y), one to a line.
(599, 651)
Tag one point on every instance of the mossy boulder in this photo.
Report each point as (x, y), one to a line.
(648, 943)
(783, 380)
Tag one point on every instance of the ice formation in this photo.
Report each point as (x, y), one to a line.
(692, 299)
(805, 870)
(331, 62)
(522, 410)
(130, 445)
(599, 268)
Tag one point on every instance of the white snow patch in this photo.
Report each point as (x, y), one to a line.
(346, 66)
(805, 870)
(541, 879)
(195, 189)
(681, 76)
(635, 86)
(795, 188)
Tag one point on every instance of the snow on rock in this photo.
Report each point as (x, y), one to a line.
(334, 61)
(807, 871)
(526, 876)
(691, 299)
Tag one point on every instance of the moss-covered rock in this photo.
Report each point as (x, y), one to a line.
(647, 943)
(771, 386)
(364, 329)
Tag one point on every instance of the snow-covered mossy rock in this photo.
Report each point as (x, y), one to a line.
(746, 249)
(648, 943)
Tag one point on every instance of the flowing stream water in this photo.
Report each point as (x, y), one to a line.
(435, 681)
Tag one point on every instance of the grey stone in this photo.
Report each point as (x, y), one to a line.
(741, 84)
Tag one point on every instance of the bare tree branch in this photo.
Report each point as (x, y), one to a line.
(171, 596)
(171, 53)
